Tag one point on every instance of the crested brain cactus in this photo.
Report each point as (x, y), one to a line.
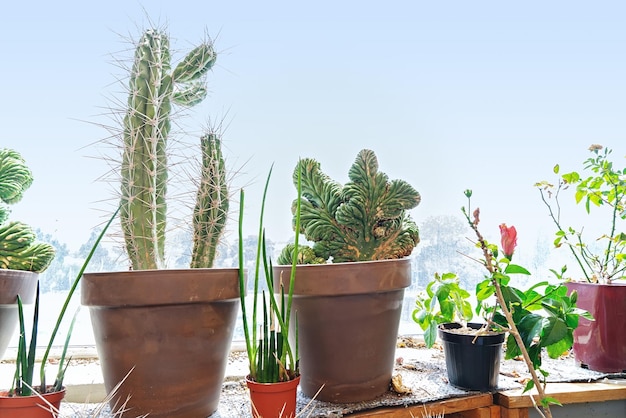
(366, 219)
(19, 249)
(153, 89)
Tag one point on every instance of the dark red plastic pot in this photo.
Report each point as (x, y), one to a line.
(472, 362)
(600, 345)
(273, 399)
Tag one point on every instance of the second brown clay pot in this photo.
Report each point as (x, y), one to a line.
(348, 316)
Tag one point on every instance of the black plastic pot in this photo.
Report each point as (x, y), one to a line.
(473, 362)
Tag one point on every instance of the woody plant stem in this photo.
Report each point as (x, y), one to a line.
(493, 269)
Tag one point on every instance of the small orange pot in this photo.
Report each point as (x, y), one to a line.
(30, 406)
(273, 400)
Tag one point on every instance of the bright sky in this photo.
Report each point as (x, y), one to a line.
(487, 95)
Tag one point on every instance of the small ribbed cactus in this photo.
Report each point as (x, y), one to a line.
(19, 249)
(153, 89)
(365, 219)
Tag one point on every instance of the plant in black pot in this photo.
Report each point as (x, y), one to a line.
(273, 358)
(43, 400)
(172, 327)
(349, 301)
(22, 256)
(541, 317)
(598, 265)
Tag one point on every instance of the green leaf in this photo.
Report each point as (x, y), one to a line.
(554, 330)
(529, 327)
(430, 334)
(484, 290)
(515, 269)
(545, 402)
(529, 386)
(560, 347)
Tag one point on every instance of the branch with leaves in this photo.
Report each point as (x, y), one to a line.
(604, 188)
(543, 316)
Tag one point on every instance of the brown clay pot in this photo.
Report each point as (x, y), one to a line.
(31, 406)
(170, 331)
(273, 400)
(348, 316)
(600, 345)
(13, 283)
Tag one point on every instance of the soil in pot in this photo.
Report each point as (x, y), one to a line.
(472, 362)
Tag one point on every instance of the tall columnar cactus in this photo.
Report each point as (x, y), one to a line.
(19, 249)
(153, 88)
(211, 209)
(366, 219)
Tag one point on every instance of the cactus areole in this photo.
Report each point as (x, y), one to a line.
(365, 219)
(153, 88)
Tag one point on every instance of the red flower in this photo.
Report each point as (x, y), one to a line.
(509, 240)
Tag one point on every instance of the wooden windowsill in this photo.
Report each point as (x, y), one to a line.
(566, 393)
(481, 403)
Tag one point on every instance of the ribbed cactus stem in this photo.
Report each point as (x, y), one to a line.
(144, 171)
(144, 160)
(211, 210)
(19, 249)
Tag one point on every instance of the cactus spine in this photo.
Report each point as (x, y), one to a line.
(153, 88)
(19, 249)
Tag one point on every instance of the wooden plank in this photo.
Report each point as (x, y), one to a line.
(514, 413)
(492, 411)
(566, 393)
(447, 406)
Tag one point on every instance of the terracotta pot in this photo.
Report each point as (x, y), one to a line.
(348, 316)
(13, 283)
(171, 329)
(273, 400)
(600, 345)
(30, 406)
(472, 362)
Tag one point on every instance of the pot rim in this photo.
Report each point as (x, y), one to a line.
(160, 287)
(353, 278)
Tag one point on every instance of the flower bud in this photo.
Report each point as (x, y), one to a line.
(508, 240)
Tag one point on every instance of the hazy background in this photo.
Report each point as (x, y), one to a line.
(487, 95)
(451, 95)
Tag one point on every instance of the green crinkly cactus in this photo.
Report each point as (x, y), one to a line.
(153, 89)
(19, 249)
(366, 219)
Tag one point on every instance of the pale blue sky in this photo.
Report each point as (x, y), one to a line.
(487, 95)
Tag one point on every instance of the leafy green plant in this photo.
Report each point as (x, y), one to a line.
(366, 219)
(443, 301)
(25, 364)
(543, 316)
(154, 87)
(271, 356)
(19, 249)
(604, 189)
